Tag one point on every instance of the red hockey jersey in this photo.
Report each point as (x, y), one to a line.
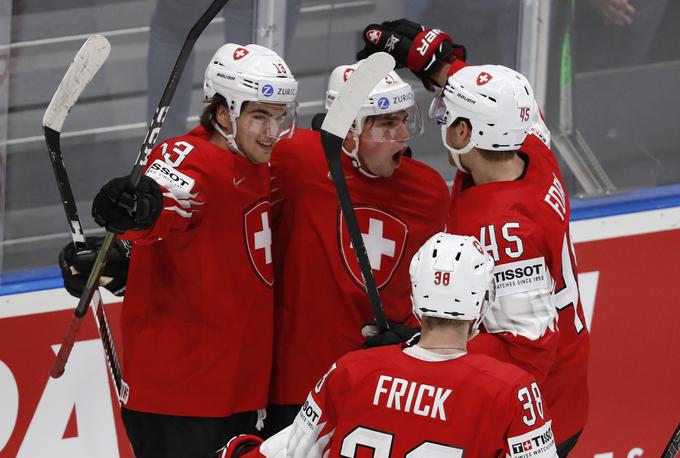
(320, 303)
(524, 225)
(197, 315)
(394, 402)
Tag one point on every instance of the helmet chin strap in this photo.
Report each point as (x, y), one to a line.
(231, 141)
(354, 155)
(456, 152)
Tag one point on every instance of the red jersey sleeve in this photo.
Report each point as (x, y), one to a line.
(530, 433)
(181, 179)
(314, 426)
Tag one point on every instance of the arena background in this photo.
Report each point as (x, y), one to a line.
(611, 99)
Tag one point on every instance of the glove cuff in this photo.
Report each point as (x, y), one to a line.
(428, 48)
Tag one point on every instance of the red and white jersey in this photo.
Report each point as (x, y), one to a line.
(320, 301)
(524, 225)
(197, 315)
(395, 402)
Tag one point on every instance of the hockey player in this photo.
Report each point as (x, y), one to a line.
(197, 316)
(320, 302)
(508, 191)
(431, 399)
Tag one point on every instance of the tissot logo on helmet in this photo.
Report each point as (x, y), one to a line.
(483, 78)
(240, 53)
(373, 36)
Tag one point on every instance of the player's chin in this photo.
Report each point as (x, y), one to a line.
(264, 149)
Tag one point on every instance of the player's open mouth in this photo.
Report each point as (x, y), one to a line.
(396, 157)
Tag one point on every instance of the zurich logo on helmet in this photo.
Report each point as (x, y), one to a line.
(383, 103)
(267, 90)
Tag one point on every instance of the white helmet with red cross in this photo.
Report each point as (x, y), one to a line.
(251, 73)
(498, 102)
(390, 95)
(450, 278)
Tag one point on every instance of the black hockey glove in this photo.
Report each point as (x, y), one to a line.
(119, 207)
(414, 46)
(76, 266)
(398, 333)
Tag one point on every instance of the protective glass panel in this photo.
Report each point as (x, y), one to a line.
(613, 104)
(5, 29)
(103, 133)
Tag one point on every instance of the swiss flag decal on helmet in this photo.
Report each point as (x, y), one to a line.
(478, 246)
(385, 239)
(373, 35)
(258, 234)
(483, 78)
(348, 72)
(240, 53)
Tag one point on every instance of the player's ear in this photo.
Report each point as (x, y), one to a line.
(223, 118)
(350, 140)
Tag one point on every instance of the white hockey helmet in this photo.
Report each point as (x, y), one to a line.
(251, 73)
(390, 95)
(498, 102)
(450, 278)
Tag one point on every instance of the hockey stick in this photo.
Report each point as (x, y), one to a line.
(85, 65)
(673, 448)
(135, 175)
(338, 121)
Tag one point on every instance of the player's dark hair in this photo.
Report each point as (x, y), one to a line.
(487, 154)
(210, 112)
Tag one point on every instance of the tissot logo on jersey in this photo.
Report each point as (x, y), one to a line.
(169, 177)
(384, 236)
(309, 415)
(258, 234)
(532, 443)
(521, 276)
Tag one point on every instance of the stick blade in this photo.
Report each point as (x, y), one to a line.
(85, 65)
(355, 91)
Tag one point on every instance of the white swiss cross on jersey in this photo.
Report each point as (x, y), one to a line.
(384, 237)
(258, 235)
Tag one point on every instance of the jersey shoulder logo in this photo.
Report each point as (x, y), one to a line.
(385, 238)
(258, 234)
